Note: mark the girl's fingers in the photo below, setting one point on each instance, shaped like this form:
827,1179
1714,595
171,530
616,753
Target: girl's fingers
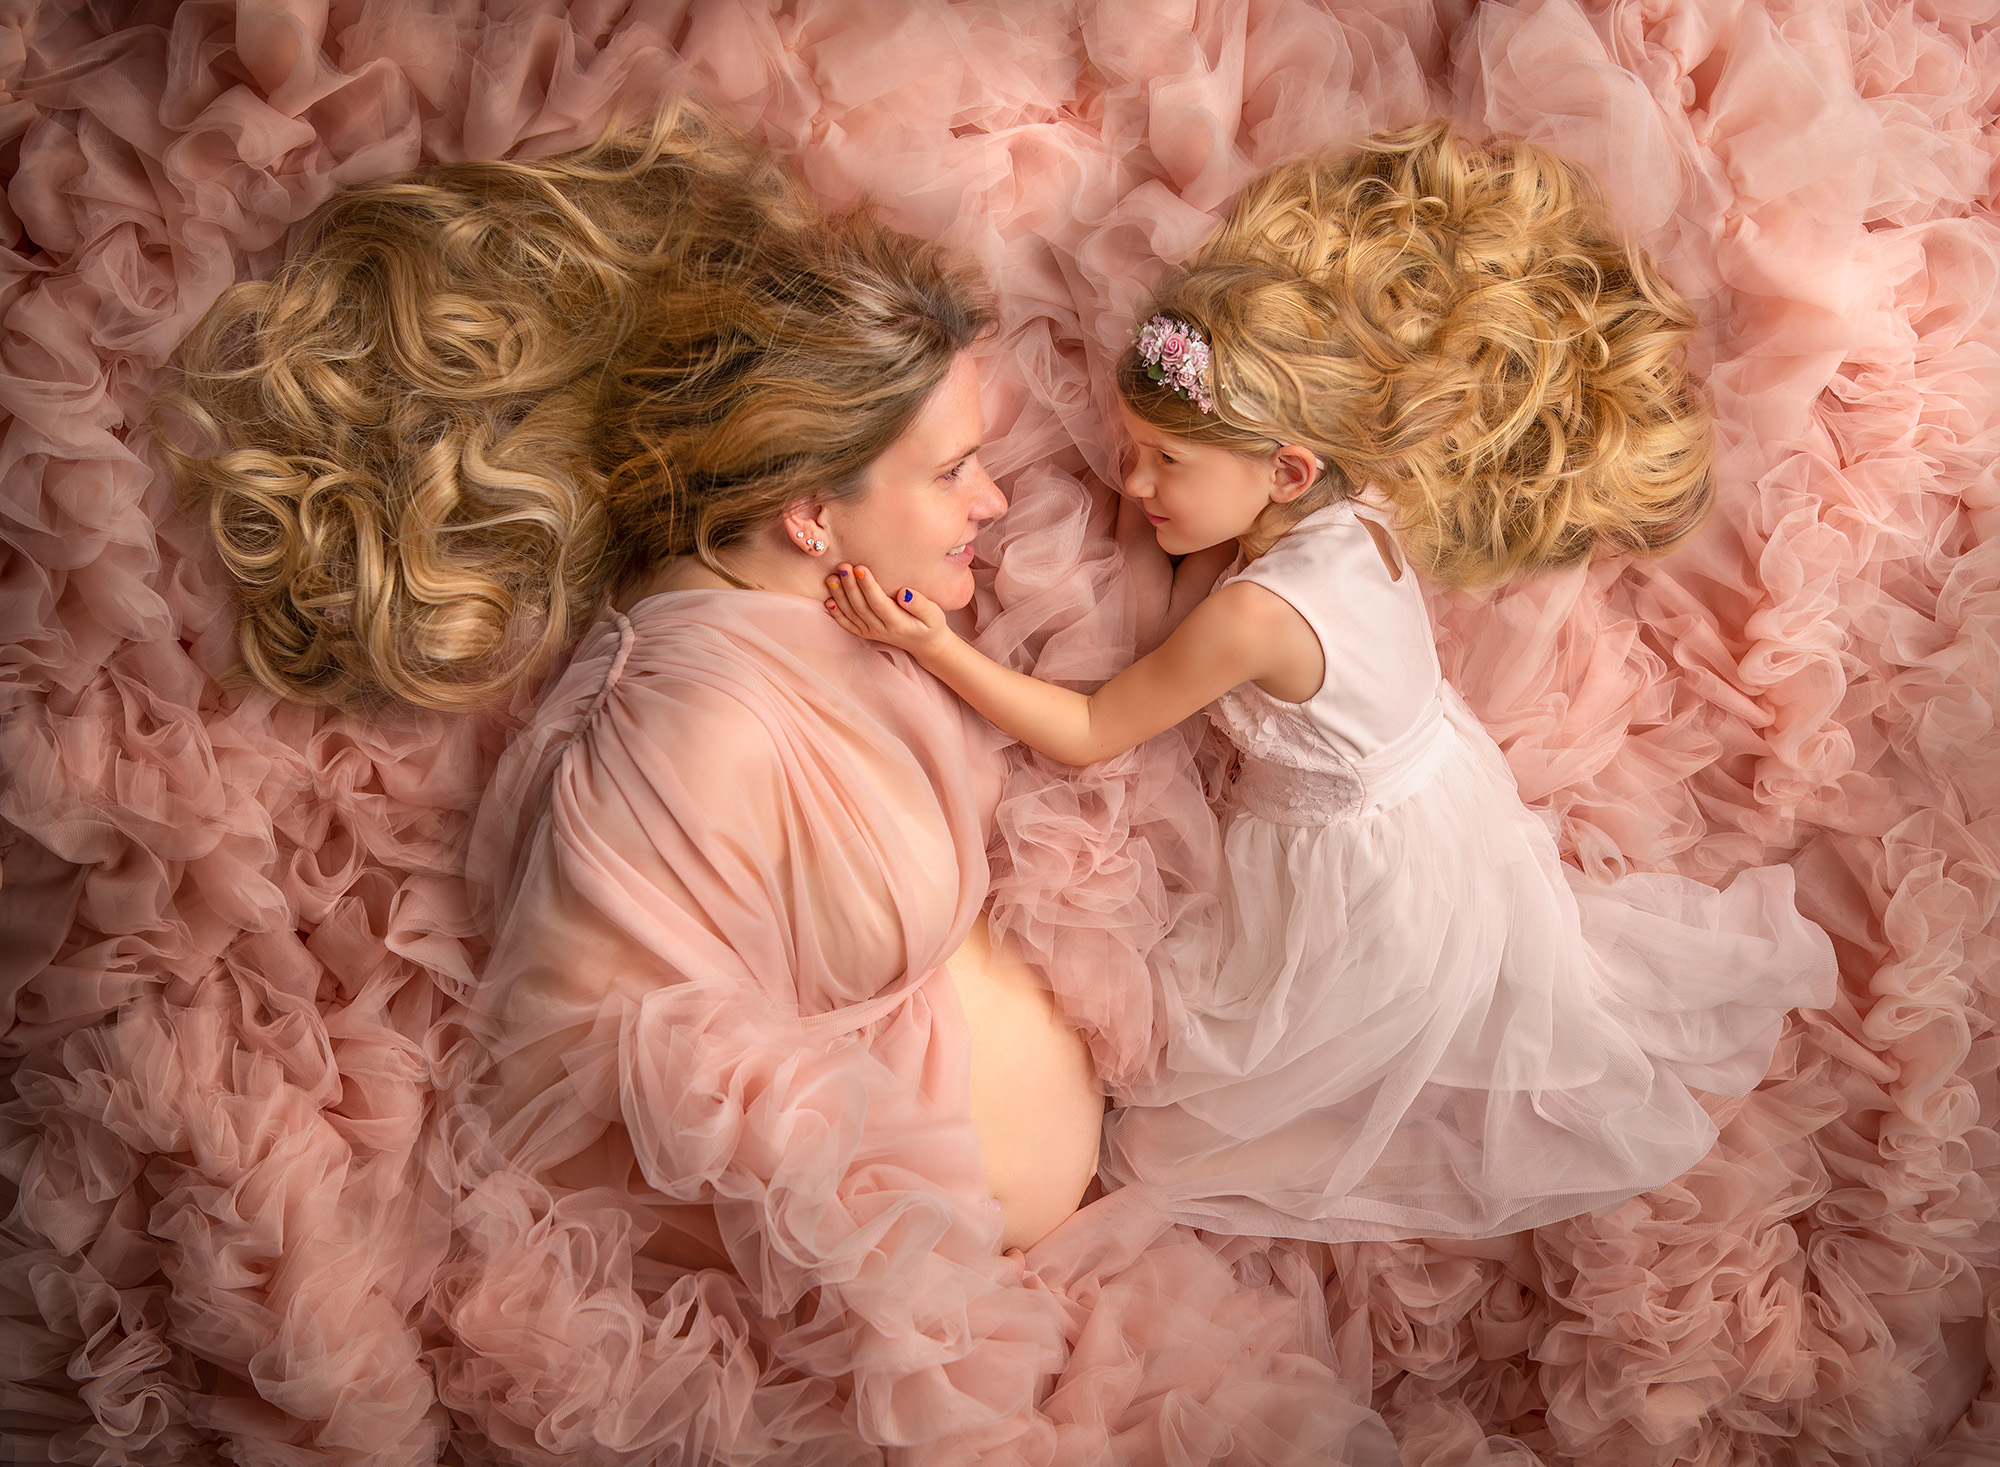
862,604
842,607
843,618
850,592
871,590
918,608
843,592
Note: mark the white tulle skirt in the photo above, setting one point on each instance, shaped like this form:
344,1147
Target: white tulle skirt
1423,1023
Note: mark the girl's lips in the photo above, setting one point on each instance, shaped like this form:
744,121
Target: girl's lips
1156,519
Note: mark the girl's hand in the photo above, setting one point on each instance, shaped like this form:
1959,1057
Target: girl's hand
906,619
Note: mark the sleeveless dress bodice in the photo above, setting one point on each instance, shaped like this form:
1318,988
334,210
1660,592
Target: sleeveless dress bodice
1376,727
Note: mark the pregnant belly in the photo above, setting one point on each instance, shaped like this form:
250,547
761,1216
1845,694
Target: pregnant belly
1035,1101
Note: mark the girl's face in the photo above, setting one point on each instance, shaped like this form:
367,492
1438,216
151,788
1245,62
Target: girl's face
927,499
1197,494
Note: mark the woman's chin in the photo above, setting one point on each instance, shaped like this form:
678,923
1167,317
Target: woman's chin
953,589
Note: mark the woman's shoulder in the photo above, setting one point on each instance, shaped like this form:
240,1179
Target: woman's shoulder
736,676
694,691
660,681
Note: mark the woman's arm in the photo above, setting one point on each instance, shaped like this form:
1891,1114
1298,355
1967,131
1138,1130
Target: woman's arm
1242,633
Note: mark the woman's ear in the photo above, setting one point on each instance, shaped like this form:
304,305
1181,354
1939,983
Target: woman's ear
805,524
1293,471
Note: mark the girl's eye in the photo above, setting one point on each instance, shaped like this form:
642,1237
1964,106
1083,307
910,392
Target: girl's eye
1165,458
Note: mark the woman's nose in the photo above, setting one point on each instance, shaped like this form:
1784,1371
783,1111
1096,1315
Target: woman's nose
988,503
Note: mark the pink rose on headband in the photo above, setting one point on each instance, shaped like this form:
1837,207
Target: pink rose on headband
1177,358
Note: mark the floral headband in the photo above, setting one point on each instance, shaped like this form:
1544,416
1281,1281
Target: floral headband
1178,359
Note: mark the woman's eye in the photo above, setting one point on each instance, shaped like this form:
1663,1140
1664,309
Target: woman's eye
955,472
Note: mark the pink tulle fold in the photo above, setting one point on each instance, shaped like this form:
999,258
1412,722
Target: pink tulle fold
229,930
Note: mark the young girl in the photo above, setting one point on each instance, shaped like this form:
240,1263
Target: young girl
1421,1022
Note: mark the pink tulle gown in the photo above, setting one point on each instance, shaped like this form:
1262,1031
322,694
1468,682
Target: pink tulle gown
718,1192
1422,1023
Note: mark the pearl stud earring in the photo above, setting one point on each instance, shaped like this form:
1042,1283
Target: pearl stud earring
814,545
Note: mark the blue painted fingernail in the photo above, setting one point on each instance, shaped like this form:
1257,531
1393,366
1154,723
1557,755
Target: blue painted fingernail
906,597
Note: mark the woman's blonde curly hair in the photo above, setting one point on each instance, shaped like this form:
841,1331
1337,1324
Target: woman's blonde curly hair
473,397
1459,327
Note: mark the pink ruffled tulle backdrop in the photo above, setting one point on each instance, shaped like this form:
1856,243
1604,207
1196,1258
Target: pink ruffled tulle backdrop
230,924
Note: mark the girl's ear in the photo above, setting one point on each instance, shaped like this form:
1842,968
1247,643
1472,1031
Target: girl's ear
1293,471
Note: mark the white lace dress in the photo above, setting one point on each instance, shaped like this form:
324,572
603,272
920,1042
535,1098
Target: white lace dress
1422,1022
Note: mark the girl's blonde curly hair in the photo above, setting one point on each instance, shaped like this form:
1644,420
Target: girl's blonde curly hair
471,398
1458,326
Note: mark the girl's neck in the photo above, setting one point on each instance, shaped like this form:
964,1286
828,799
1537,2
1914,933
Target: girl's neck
1279,520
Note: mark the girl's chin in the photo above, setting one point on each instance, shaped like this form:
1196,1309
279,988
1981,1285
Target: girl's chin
1175,541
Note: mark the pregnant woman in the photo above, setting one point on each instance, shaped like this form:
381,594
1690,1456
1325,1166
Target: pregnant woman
745,1125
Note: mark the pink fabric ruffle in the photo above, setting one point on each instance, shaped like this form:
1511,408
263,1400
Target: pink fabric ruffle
228,929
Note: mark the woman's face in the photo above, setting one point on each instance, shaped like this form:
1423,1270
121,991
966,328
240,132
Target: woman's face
1195,494
926,499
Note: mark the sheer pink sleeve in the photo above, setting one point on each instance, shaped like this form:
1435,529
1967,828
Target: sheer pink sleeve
710,991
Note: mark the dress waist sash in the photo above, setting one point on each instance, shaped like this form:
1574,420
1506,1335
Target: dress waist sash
1285,795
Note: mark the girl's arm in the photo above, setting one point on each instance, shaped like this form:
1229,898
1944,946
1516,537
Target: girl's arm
1242,633
1150,572
1194,578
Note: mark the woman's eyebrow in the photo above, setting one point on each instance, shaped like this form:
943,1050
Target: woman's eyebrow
958,458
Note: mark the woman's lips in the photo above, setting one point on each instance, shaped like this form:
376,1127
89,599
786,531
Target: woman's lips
960,556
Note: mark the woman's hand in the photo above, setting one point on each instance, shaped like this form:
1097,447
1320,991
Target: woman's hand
905,619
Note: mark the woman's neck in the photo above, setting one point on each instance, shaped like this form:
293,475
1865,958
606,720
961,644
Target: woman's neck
756,566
